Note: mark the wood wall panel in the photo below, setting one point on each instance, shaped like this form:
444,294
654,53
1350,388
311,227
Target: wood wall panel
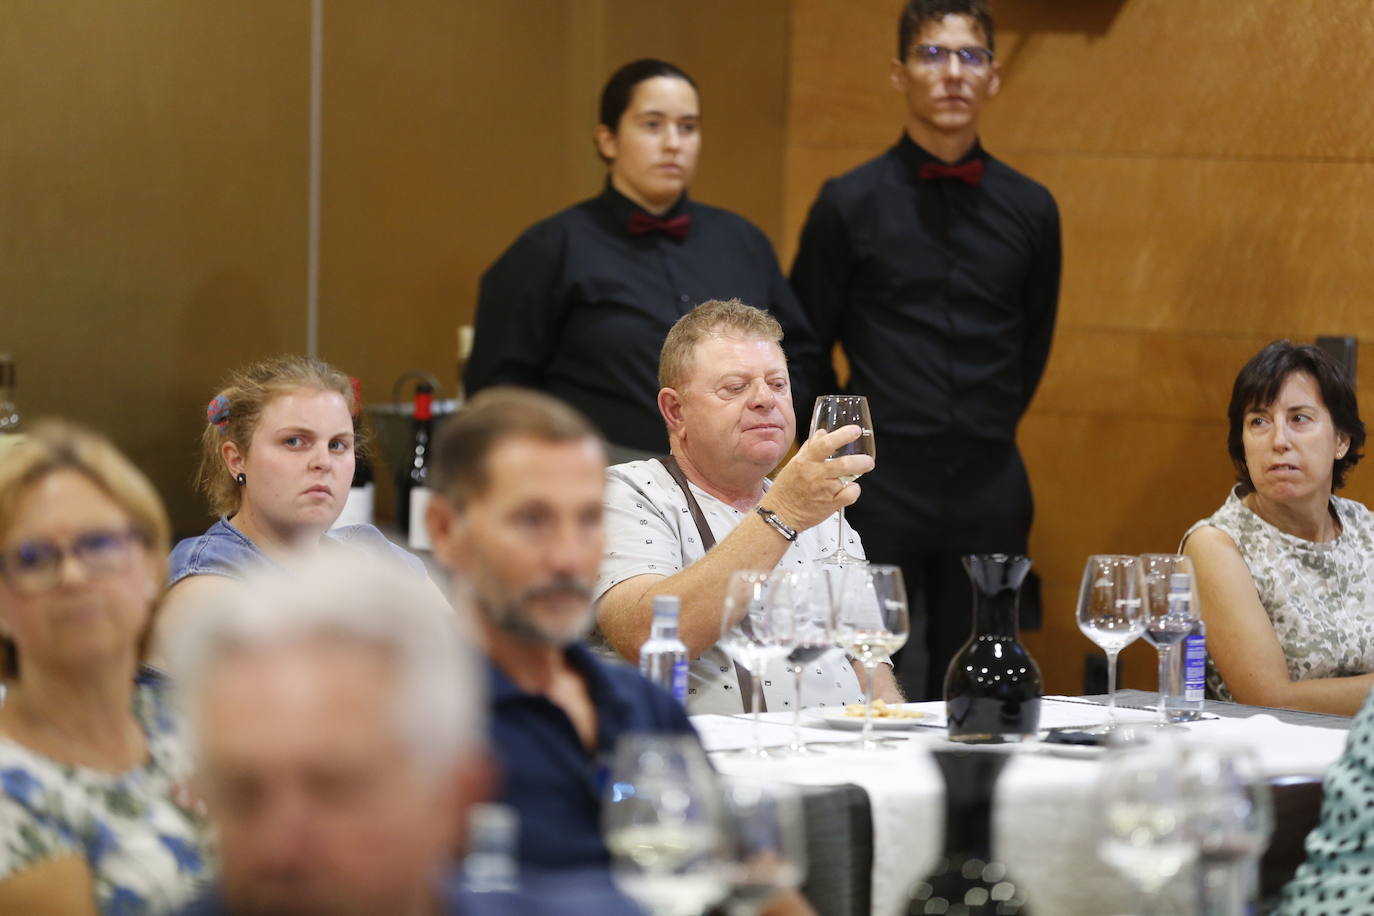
152,211
1210,180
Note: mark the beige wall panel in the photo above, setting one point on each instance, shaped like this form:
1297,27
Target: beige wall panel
1214,247
444,136
152,211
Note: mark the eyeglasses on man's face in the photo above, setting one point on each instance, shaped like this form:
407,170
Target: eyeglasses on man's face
936,57
36,566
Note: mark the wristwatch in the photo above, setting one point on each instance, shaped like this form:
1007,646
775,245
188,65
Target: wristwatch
776,523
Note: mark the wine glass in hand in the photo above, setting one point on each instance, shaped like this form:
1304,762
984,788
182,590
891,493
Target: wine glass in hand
832,412
1171,610
1111,613
664,825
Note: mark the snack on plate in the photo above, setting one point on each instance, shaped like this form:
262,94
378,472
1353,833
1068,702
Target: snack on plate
883,711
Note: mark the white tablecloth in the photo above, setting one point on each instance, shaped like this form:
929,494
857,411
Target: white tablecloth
1044,824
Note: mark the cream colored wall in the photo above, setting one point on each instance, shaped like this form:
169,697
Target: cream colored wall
1211,162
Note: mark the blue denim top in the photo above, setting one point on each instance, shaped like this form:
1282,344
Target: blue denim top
223,550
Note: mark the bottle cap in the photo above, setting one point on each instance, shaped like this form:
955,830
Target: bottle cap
666,607
1179,582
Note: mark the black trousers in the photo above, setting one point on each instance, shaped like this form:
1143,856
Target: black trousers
927,504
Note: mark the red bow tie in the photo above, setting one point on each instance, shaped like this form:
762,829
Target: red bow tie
970,172
642,223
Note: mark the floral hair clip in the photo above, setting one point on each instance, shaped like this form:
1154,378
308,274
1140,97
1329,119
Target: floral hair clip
217,412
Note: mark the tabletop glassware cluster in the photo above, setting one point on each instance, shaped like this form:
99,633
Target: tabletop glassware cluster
683,840
1125,597
1166,805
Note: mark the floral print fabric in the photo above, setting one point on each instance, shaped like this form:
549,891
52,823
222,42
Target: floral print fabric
142,842
1319,596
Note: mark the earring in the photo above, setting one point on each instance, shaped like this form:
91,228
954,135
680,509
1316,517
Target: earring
241,479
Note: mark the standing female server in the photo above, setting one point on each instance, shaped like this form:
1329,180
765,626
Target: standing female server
580,304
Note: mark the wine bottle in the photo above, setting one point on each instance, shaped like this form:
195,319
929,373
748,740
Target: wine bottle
993,687
412,491
361,500
10,419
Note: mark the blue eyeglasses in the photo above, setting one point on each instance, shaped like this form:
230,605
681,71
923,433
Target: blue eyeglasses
36,566
937,57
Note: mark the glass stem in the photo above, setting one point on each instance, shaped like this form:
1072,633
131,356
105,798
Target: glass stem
756,701
869,668
1111,686
797,742
839,535
1164,657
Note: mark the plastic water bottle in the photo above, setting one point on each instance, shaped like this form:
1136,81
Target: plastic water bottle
663,658
1185,693
491,865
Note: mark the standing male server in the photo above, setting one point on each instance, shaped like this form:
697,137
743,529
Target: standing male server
937,268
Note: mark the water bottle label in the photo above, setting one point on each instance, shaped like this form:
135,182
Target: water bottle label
419,502
1195,668
680,680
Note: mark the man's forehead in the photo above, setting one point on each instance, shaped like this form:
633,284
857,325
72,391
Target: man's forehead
724,354
951,25
527,467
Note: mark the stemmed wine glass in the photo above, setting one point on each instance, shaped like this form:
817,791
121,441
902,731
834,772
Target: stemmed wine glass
757,626
870,624
1168,620
1146,833
812,638
664,825
833,411
1111,613
766,842
1231,815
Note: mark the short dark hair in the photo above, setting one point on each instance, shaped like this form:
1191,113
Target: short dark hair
1258,384
458,470
917,13
620,88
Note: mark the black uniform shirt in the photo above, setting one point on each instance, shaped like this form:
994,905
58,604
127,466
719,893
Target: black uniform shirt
579,308
942,293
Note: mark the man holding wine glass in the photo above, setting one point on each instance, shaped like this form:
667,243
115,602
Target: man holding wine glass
682,526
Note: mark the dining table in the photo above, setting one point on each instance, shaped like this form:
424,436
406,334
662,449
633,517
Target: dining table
1045,820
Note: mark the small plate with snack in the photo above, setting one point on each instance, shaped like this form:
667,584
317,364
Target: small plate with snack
885,715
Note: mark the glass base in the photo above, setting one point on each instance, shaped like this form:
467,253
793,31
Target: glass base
840,558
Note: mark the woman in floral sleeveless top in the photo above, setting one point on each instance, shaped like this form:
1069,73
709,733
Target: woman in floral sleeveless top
1285,568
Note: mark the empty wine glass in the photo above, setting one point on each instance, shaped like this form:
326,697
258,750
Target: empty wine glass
664,825
812,638
757,623
1231,815
1145,826
766,842
833,411
1171,610
870,624
1111,613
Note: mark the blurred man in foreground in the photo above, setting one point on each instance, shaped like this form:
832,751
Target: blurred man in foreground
338,719
519,523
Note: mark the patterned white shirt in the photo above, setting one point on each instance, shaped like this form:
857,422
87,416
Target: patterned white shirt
649,530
